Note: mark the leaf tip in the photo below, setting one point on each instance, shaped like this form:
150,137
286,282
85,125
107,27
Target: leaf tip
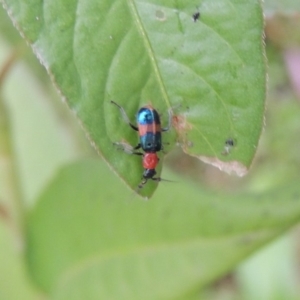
228,167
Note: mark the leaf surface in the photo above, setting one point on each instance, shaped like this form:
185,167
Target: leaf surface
210,71
86,239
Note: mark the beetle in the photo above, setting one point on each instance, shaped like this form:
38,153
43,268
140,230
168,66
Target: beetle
150,141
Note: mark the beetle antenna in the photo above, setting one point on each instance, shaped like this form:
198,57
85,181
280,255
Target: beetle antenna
141,185
161,179
144,181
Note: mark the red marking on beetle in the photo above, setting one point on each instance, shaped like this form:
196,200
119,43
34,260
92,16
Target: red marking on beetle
154,128
150,160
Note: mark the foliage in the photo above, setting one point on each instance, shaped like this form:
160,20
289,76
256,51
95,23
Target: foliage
85,234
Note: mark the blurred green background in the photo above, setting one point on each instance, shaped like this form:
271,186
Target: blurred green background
39,135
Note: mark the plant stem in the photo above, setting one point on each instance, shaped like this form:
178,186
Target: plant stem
10,195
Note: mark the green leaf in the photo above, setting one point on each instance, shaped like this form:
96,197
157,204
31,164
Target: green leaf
86,239
211,71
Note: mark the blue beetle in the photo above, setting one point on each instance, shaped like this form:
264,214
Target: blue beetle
149,128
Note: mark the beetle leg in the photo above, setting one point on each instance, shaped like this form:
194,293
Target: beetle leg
157,179
128,148
138,153
161,179
144,181
138,146
141,185
125,117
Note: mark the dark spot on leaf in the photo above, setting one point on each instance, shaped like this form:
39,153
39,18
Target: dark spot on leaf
196,16
160,15
229,144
